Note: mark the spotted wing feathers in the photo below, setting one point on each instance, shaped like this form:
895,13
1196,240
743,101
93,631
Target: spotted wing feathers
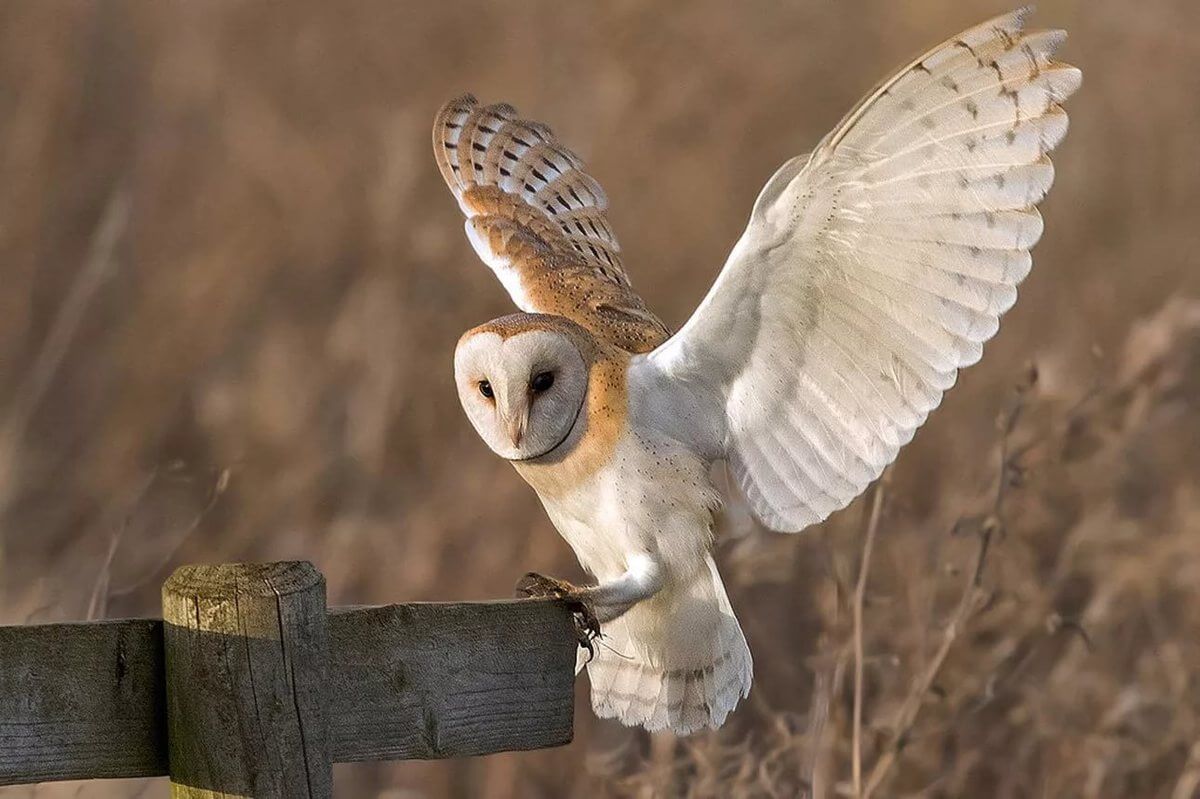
875,269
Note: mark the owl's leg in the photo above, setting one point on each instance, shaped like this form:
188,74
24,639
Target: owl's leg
598,604
643,578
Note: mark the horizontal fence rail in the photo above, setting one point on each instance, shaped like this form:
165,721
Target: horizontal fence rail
252,687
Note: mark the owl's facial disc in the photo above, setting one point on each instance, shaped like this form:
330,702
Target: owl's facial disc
523,393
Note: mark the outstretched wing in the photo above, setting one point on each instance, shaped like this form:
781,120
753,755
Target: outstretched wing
538,220
871,271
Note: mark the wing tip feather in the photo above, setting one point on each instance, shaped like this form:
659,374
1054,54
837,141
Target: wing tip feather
445,143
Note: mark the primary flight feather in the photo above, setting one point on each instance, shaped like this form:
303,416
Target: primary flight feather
870,272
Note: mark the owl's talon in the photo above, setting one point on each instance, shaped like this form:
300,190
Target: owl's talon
539,585
587,626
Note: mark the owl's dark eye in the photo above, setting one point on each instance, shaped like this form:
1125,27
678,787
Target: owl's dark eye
485,388
542,381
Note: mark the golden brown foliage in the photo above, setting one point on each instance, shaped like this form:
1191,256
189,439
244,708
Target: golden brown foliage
231,282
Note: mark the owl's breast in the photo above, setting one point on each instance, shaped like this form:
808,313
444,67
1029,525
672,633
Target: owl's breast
616,488
653,496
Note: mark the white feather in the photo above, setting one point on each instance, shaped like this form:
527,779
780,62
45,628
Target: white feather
502,266
678,661
871,272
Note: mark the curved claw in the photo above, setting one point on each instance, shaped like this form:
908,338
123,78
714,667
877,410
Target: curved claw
587,626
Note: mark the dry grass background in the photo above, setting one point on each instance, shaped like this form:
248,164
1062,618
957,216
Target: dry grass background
231,285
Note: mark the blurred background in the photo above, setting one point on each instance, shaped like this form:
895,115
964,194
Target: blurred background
231,283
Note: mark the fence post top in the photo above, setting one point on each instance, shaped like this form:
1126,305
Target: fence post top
245,579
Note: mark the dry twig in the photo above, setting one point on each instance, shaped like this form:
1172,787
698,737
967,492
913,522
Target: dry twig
860,591
96,269
828,685
973,598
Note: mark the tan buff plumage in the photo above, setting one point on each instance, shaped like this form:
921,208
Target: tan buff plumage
531,208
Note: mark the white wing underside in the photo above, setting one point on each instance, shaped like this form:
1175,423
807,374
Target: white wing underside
871,272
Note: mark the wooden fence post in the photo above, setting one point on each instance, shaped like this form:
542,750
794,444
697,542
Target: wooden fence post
246,649
250,685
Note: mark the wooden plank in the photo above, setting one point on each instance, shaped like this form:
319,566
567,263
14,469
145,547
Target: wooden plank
81,701
88,700
438,680
247,656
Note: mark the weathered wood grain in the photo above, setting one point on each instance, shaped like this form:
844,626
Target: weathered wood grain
82,701
425,680
450,680
247,655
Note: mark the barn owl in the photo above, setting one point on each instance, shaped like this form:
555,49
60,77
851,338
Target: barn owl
871,270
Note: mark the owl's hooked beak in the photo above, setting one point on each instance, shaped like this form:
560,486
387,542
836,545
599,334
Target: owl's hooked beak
515,425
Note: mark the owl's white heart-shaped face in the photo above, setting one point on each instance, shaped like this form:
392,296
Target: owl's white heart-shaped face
523,393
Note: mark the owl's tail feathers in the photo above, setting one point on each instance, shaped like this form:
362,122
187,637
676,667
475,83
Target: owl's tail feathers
677,661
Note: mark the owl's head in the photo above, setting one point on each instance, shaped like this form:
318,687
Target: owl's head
523,381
